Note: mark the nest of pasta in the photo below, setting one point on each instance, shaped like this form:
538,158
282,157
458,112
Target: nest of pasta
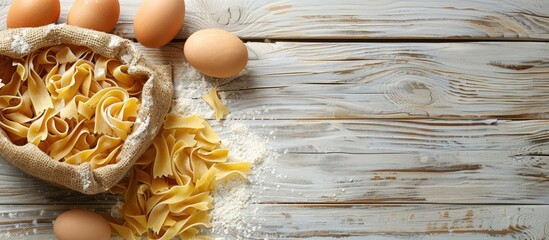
77,107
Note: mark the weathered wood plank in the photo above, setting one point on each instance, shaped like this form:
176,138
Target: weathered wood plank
413,221
336,221
35,221
369,161
381,80
404,136
478,177
376,161
354,19
433,177
17,187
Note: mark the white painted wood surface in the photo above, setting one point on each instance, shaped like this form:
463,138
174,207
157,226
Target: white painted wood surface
373,161
374,140
361,221
354,19
384,80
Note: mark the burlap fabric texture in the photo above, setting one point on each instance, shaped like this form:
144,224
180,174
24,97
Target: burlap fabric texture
156,99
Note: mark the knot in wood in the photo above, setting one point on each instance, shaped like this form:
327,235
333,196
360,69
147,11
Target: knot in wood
414,92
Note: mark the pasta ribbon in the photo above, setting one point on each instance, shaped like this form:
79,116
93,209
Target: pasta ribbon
213,100
169,192
73,104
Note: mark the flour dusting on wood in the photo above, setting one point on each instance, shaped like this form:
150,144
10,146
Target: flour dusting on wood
185,102
235,201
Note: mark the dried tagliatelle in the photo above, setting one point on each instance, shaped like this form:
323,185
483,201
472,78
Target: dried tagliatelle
73,104
213,100
169,192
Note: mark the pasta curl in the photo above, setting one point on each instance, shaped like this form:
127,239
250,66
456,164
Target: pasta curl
169,192
73,104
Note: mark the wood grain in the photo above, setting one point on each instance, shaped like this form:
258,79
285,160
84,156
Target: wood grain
370,140
403,136
26,222
370,161
507,80
444,177
21,188
380,161
353,19
337,222
409,221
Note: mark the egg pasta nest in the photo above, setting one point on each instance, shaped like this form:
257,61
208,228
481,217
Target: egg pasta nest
77,107
74,105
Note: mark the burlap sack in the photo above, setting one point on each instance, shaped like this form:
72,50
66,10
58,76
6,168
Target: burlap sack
156,100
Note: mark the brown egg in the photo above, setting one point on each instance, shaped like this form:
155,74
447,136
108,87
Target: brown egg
100,15
216,53
79,224
33,13
156,22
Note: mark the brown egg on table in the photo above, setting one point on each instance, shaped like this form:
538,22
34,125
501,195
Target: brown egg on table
156,23
79,224
33,13
97,15
216,53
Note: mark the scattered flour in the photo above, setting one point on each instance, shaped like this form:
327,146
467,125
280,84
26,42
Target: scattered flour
85,177
142,125
115,42
236,201
237,212
19,45
127,58
189,93
243,144
55,26
188,98
231,204
115,210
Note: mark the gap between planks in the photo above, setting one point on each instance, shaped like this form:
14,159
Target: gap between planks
415,161
353,19
343,221
370,40
321,81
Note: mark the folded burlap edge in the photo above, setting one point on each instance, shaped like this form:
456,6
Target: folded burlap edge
156,99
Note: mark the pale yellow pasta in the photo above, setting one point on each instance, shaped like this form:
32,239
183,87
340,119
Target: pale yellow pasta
213,100
169,192
74,105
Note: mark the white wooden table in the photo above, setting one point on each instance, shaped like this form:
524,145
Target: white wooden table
401,119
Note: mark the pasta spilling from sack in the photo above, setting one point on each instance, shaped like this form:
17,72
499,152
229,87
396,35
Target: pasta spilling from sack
169,192
75,105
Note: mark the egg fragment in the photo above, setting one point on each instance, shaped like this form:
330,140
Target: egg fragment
156,23
216,53
33,13
100,15
79,224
